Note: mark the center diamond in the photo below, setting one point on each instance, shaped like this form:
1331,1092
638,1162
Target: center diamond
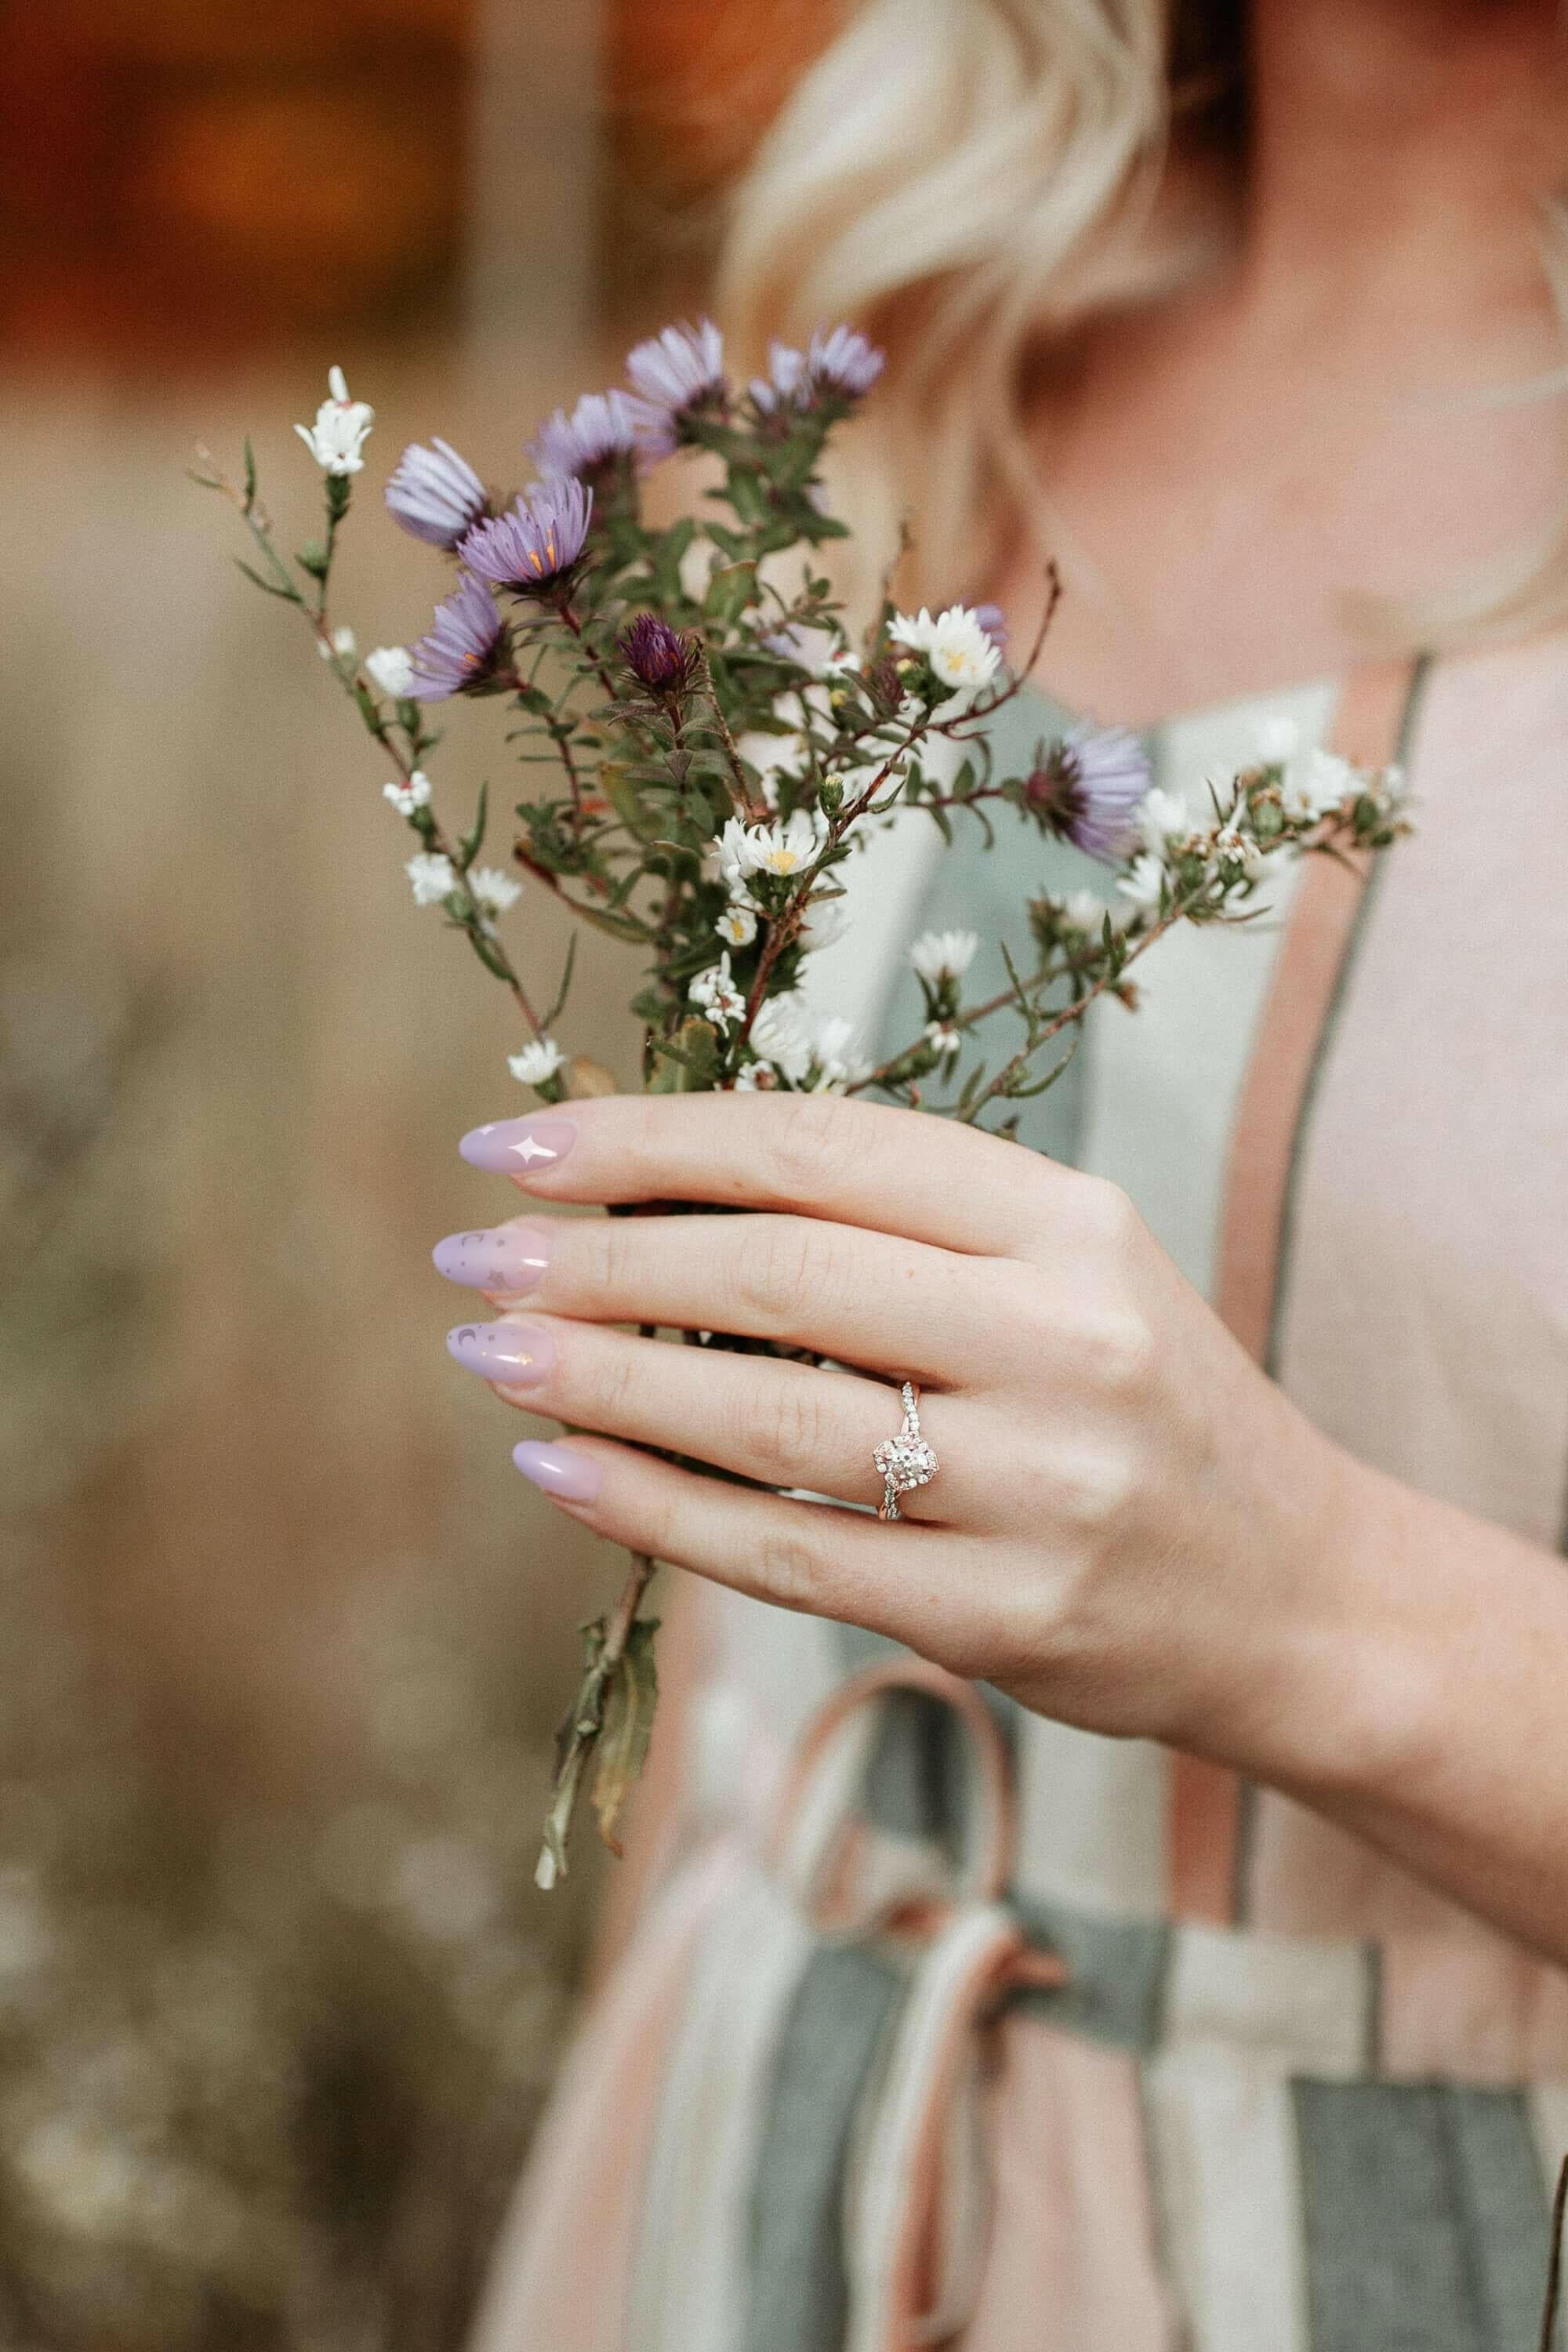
906,1461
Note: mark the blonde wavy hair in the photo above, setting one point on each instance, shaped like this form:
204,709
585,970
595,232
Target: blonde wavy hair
969,180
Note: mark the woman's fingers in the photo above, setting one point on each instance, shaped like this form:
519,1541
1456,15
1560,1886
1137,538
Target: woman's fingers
897,1307
859,1163
834,1563
787,1424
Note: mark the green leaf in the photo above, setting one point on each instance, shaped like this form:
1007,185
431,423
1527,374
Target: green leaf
689,1063
616,783
556,1009
630,1703
249,474
312,559
488,953
268,587
730,592
473,841
1017,1092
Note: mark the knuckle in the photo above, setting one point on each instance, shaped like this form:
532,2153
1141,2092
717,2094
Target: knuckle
788,1426
791,1566
603,1384
662,1527
609,1247
642,1147
778,1270
1120,1348
1093,1488
1112,1225
813,1141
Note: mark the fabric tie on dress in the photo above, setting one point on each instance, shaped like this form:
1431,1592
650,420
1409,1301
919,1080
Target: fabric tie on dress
880,2246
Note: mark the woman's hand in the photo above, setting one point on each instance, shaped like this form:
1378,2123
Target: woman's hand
1132,1528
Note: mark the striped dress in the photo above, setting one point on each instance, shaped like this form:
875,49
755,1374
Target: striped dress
947,2024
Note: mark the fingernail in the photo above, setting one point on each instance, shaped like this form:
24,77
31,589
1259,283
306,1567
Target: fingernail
519,1147
506,1258
558,1471
512,1354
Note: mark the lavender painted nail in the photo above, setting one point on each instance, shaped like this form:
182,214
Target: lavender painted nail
571,1477
512,1354
517,1147
507,1258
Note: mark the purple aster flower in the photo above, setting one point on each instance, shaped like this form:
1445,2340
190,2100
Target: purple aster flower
994,621
531,548
786,384
843,363
435,494
465,647
1087,787
680,369
660,658
603,428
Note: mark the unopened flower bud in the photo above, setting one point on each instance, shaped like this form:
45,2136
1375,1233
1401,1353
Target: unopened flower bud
659,657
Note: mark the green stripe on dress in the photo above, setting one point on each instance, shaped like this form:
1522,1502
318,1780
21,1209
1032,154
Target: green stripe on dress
799,2291
1424,2217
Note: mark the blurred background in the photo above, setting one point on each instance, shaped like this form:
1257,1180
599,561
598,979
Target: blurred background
282,1636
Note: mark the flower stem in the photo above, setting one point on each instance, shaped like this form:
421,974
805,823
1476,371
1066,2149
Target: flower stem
587,1721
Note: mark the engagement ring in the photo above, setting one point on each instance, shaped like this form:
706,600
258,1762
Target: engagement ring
904,1461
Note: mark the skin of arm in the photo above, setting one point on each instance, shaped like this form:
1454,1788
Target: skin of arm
1133,1528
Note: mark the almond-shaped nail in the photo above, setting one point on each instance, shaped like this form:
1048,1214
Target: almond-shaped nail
504,1257
572,1477
519,1147
514,1354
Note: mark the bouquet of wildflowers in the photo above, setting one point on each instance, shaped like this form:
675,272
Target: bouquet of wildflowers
703,745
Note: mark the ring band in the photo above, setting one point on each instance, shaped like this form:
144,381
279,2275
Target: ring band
905,1461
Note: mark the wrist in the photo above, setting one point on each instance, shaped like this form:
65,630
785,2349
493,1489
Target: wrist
1335,1691
1356,1702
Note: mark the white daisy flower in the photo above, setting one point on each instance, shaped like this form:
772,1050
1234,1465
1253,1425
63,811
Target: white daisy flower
734,856
713,992
342,427
956,646
786,848
1083,911
536,1062
1161,819
1313,786
494,890
826,922
1143,884
737,925
944,955
1237,852
839,1061
407,797
756,1078
392,669
432,876
945,1037
781,1034
915,630
962,653
340,645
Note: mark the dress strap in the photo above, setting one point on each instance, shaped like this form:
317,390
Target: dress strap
1371,729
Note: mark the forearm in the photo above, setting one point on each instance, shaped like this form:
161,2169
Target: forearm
1424,1704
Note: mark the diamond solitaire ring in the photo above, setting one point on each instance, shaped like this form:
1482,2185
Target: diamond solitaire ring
904,1461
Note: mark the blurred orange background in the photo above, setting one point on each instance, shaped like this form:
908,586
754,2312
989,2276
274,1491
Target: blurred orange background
282,1637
